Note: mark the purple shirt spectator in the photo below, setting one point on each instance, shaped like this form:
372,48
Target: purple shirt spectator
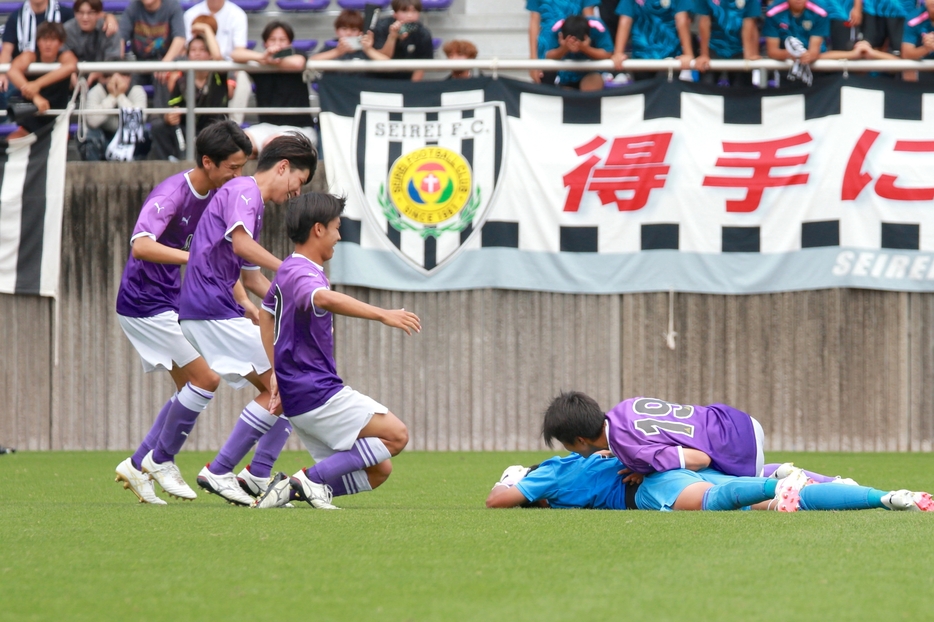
647,435
304,341
169,216
213,267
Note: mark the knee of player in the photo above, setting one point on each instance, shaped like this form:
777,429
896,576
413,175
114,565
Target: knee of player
397,442
379,473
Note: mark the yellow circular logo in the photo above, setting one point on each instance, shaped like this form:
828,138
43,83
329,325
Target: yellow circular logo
430,185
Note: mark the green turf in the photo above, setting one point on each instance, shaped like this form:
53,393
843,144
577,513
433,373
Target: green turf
77,547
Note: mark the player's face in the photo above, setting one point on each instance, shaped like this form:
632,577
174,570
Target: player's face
226,170
290,183
797,6
331,237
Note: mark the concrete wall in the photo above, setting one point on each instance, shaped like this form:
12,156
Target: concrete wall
845,370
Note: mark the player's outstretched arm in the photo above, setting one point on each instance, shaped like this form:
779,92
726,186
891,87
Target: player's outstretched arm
147,249
246,247
503,496
342,304
695,460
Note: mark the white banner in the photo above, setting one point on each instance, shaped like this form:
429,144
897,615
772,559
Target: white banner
656,186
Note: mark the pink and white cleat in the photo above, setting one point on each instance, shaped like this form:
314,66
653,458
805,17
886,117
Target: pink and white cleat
788,492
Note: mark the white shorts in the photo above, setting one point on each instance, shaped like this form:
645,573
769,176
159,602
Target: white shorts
233,348
159,340
760,440
262,133
335,425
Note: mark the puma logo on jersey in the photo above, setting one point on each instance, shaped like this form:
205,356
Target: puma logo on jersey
246,199
158,207
185,219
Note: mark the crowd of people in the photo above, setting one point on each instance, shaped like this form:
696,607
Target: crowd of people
692,31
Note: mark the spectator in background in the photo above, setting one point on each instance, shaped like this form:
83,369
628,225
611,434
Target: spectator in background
86,38
231,33
918,42
727,29
608,15
210,92
350,43
112,91
657,29
458,49
50,90
404,37
884,21
543,15
286,89
155,30
845,18
579,38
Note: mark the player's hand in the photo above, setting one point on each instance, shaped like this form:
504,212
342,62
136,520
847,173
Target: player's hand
618,59
29,90
687,61
250,312
632,478
404,320
275,403
702,62
41,103
856,16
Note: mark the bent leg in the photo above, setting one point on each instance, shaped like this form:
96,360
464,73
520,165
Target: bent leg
738,493
389,429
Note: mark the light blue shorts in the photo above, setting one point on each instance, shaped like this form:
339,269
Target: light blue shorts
659,491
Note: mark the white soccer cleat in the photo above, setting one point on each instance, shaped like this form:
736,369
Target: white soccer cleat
317,495
252,485
169,477
138,482
513,475
783,470
277,494
225,486
846,481
907,501
788,492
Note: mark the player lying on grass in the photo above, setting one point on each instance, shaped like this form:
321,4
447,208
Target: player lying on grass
595,483
350,436
650,435
147,306
225,249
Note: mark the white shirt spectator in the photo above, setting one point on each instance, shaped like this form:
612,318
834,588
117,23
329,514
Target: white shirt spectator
231,23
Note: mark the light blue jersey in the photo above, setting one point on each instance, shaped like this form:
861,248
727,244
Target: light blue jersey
553,10
599,38
654,34
780,23
726,23
915,28
891,8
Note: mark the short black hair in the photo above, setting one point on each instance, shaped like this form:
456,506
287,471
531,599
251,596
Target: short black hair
220,140
570,416
292,146
576,26
51,30
308,209
271,26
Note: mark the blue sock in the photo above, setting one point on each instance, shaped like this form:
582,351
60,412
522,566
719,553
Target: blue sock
738,493
840,497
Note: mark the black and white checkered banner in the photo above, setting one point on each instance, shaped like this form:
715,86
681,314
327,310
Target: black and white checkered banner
32,194
480,183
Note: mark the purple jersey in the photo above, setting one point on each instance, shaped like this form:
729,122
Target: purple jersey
646,434
304,343
169,216
213,267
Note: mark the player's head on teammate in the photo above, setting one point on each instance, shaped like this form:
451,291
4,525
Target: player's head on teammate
575,420
289,161
222,149
313,223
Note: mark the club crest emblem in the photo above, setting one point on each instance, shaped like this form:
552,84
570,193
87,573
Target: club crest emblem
806,24
665,3
740,4
429,175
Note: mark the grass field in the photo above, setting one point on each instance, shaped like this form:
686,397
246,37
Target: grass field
75,546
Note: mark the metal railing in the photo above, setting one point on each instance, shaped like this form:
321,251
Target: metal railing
493,65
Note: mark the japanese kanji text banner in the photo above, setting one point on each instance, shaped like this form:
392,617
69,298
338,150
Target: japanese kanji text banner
661,185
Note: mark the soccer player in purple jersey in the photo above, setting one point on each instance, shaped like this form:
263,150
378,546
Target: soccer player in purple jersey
350,436
147,306
650,435
225,249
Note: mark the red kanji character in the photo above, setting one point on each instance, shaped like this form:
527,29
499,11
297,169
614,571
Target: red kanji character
854,179
761,166
634,163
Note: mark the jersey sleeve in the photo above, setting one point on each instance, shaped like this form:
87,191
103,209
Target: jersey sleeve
626,7
240,209
683,6
600,38
157,213
269,300
539,484
657,458
702,8
752,9
770,28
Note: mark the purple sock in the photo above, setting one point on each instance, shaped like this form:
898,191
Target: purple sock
768,469
153,436
254,421
269,447
189,403
365,452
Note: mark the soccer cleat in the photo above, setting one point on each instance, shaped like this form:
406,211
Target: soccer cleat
225,486
138,482
788,491
513,474
907,501
277,494
316,495
783,470
846,481
169,477
252,485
